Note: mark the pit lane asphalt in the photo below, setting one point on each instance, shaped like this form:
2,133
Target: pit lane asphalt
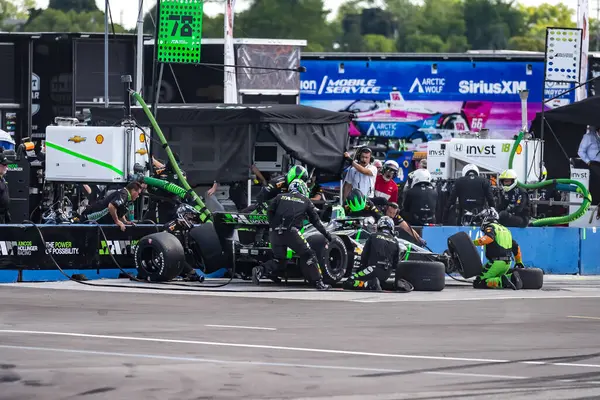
66,341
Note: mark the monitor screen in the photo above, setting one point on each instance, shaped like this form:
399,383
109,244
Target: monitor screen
265,153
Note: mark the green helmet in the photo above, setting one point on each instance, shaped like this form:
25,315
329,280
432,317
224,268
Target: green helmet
297,172
299,186
356,200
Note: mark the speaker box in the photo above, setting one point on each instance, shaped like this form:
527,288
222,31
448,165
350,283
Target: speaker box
19,210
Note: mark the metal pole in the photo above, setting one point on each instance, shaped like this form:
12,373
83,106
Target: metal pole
139,75
106,53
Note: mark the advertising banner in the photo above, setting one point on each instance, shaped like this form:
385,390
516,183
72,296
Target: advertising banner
428,100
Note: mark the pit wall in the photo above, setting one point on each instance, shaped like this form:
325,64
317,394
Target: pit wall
560,251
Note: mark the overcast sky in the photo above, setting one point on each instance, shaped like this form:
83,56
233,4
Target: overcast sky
126,11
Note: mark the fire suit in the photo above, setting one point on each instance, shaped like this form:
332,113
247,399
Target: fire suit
514,208
370,210
472,192
499,247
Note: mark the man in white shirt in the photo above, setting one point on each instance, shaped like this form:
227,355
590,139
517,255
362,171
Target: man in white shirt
362,174
589,152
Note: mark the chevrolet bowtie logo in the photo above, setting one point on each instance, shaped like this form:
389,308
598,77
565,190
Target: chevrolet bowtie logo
77,139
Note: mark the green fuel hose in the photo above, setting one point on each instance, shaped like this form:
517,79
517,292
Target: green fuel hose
205,215
568,185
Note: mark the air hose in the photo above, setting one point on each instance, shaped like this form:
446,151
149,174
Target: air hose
566,185
205,215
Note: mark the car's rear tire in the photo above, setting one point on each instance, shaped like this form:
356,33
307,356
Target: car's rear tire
465,255
332,257
159,257
532,278
425,276
206,244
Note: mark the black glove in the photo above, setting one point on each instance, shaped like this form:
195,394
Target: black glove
349,159
519,265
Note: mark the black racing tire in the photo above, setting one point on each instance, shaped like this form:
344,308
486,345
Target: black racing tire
465,255
425,276
332,257
159,257
532,278
206,244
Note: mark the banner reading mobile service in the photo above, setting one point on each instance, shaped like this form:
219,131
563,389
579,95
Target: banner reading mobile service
427,99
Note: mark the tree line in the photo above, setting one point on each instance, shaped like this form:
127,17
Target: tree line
429,26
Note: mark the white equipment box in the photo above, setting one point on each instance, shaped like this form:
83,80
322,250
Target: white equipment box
445,159
581,175
103,154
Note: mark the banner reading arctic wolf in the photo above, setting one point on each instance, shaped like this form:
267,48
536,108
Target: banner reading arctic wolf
429,100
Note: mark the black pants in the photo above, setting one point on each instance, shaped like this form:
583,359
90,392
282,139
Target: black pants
594,183
512,221
294,240
365,278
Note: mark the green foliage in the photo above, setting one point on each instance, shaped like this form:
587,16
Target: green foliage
51,20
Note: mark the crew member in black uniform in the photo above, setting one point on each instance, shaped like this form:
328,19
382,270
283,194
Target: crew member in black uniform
114,207
392,210
359,205
4,195
514,204
473,192
286,215
280,184
421,200
380,256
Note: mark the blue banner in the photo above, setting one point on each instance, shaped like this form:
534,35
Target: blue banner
495,81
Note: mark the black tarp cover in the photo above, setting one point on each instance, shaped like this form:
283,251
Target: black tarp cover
216,141
584,112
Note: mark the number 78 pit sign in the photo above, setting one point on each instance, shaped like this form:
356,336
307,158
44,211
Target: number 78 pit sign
179,33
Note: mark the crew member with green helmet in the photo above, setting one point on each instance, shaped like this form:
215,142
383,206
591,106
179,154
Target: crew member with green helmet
359,205
500,247
281,184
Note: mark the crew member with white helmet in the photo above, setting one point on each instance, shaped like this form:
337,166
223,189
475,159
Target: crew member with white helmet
385,186
472,191
421,200
514,207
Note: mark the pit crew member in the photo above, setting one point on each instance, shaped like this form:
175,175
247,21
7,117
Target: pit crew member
472,191
421,200
4,193
385,186
409,180
114,207
362,174
499,247
358,205
392,210
280,184
286,215
514,203
380,256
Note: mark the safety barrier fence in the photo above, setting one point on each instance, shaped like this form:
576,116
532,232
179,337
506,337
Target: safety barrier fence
82,249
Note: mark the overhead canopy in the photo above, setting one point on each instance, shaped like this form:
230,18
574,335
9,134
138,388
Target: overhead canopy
216,141
584,112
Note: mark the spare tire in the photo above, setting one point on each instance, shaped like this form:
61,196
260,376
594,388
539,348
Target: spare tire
332,257
207,246
532,278
425,276
465,255
159,257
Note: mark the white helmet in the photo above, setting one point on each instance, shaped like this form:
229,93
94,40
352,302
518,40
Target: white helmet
470,167
421,175
391,164
508,179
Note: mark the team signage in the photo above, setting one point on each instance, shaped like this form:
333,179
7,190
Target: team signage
179,35
563,54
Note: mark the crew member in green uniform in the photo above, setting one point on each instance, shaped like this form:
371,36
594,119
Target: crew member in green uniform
499,249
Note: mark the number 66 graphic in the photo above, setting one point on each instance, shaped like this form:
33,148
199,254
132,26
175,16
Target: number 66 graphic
186,27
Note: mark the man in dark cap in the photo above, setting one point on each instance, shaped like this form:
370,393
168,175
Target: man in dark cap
4,196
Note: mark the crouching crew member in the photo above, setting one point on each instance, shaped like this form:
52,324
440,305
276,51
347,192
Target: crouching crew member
286,215
499,246
380,256
358,205
114,207
514,204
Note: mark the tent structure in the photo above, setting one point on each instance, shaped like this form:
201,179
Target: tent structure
564,128
216,141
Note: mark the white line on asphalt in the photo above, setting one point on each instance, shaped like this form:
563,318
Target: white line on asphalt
298,349
581,317
242,327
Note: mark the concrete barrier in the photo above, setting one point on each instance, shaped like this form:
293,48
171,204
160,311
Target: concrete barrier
589,263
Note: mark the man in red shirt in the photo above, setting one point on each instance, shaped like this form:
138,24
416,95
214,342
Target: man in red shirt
385,187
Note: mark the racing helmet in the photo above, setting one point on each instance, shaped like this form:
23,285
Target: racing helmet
390,166
490,216
508,179
421,175
299,186
356,200
385,224
470,168
297,172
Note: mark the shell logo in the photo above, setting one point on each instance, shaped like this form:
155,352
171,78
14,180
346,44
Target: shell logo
406,163
99,139
142,138
519,149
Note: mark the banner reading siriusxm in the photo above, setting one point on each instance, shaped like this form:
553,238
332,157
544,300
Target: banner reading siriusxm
428,100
